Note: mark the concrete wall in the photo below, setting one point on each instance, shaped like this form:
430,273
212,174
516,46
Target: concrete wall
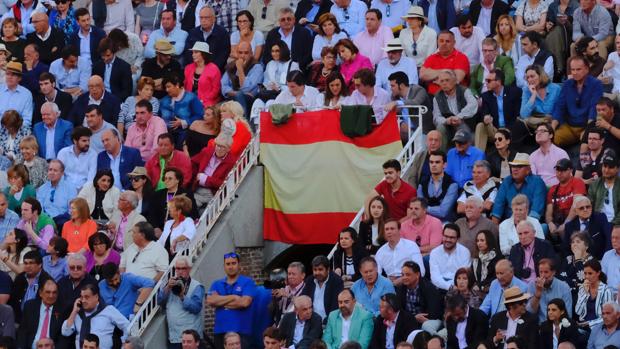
239,228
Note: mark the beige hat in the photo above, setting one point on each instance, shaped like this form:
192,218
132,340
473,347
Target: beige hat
393,45
3,48
521,159
164,46
514,294
137,171
415,12
201,46
14,67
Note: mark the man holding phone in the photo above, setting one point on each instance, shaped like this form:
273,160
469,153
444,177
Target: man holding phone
101,319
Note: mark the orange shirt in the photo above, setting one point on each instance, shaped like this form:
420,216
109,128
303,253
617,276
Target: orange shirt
77,237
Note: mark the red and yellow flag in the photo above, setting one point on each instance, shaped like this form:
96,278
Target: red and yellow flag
316,178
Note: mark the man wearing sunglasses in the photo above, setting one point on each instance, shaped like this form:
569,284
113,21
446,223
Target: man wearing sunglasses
560,197
595,223
605,191
69,286
231,297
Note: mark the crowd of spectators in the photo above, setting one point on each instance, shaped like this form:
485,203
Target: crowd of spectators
121,119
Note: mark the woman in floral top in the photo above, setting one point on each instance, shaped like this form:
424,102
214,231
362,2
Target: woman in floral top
573,268
63,19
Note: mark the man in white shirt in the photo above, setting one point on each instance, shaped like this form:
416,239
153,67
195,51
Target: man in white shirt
392,255
302,96
533,54
394,62
468,39
80,161
448,257
366,93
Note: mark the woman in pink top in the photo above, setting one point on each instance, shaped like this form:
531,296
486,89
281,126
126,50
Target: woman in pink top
202,76
352,61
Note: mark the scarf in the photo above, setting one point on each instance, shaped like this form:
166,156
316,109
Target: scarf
485,259
85,328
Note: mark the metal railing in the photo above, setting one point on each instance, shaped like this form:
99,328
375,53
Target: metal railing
207,221
405,157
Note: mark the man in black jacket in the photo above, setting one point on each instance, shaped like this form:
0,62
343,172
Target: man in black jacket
32,327
49,92
213,34
527,270
26,284
487,21
526,322
476,323
419,296
323,287
309,321
118,81
69,286
296,38
392,317
50,47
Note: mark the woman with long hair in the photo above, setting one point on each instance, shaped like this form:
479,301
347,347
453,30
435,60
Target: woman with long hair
540,94
335,92
508,38
372,229
15,246
593,294
101,194
202,76
200,132
128,47
80,227
558,327
349,253
483,263
502,154
276,70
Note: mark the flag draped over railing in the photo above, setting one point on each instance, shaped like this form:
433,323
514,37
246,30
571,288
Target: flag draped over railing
316,177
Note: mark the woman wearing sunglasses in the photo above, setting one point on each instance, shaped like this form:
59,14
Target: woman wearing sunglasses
63,19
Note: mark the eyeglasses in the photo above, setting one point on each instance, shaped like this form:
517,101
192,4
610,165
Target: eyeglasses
542,131
583,208
499,139
415,48
231,255
75,267
287,19
263,15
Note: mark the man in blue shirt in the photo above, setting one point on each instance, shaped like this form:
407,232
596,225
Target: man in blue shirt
14,96
169,31
55,194
520,181
8,218
547,287
576,105
126,291
462,157
232,297
606,334
351,15
246,73
371,287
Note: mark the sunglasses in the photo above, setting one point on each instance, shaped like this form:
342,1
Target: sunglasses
499,139
231,255
263,15
583,208
136,178
75,267
415,48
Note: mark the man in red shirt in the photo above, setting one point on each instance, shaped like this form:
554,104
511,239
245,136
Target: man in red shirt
560,197
446,57
396,192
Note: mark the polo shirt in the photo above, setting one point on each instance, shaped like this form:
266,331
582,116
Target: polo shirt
427,233
233,320
124,297
455,60
397,201
153,258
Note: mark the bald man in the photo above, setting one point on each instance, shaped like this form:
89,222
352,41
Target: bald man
250,74
420,159
302,326
109,104
50,47
505,278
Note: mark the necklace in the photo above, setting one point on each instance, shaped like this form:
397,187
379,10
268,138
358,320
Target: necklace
324,74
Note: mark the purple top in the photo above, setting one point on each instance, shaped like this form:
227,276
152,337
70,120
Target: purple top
113,257
45,234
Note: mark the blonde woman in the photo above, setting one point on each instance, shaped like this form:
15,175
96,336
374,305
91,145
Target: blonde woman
508,38
36,165
242,135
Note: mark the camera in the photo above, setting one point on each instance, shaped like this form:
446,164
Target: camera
276,279
178,286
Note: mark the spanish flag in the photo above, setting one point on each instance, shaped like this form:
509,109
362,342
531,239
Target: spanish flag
316,178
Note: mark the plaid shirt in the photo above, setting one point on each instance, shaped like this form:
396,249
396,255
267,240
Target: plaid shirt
412,303
225,12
